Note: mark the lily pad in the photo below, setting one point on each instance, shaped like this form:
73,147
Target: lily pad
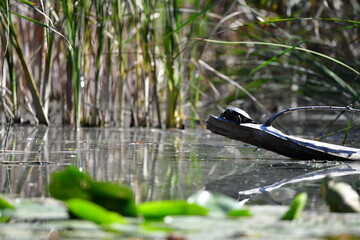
113,197
71,183
5,204
87,210
219,204
161,209
6,210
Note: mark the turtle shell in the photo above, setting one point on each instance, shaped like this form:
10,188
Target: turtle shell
237,115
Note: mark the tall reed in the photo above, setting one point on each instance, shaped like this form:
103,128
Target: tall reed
12,37
142,63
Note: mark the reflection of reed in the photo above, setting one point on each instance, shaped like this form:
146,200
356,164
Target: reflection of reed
156,164
25,166
29,156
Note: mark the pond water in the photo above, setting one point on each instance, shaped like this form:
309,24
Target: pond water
162,164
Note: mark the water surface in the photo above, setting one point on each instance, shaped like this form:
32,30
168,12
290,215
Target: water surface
162,164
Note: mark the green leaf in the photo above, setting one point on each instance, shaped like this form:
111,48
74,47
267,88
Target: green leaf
161,209
5,204
87,210
239,213
40,23
218,204
308,19
6,210
113,197
28,2
296,207
275,58
69,183
191,19
280,46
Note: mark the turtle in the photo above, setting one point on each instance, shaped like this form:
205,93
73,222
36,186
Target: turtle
237,115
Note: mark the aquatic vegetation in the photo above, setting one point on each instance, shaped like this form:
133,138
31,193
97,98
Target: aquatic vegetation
296,207
164,63
219,204
203,210
340,196
5,210
71,183
5,204
90,211
161,209
85,194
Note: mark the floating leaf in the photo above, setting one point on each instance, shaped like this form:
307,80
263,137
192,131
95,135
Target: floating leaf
113,197
87,210
296,207
69,183
219,204
5,204
239,213
6,210
161,209
5,216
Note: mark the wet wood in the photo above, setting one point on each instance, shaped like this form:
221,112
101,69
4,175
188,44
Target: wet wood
272,139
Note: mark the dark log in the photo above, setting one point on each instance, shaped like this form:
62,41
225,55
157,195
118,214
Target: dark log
272,139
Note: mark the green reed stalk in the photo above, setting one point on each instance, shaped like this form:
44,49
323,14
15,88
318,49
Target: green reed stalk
118,23
75,26
144,32
172,64
8,54
45,87
39,110
149,61
101,9
10,33
138,91
110,85
150,55
198,28
11,68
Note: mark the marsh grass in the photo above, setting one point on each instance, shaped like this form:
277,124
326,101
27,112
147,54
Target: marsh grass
166,63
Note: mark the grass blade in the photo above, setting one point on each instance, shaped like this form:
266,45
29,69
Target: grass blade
191,19
280,46
275,58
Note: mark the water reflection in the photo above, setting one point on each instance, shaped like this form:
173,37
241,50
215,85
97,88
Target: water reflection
279,183
157,164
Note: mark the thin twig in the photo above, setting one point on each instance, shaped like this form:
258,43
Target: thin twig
311,108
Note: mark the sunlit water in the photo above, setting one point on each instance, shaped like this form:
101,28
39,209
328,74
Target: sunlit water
161,164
